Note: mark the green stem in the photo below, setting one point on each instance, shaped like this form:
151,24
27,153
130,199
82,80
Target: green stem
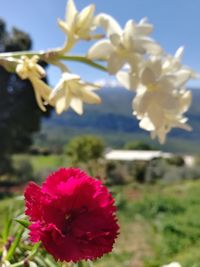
18,264
29,257
84,263
80,264
90,263
54,55
84,60
18,54
14,245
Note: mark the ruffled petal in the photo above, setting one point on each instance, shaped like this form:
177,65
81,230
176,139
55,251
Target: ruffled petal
33,202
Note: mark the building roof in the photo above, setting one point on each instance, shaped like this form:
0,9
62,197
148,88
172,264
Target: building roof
131,155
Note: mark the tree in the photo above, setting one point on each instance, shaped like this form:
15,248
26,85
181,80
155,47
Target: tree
85,148
19,114
138,145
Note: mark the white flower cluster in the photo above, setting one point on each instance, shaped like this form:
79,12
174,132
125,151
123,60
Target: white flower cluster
29,69
139,63
158,79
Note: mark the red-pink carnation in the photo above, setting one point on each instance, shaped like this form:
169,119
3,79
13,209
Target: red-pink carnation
73,215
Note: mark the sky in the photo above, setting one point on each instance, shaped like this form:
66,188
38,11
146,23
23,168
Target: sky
176,23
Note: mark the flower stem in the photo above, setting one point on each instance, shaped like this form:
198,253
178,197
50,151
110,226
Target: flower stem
80,264
28,258
54,55
90,263
14,245
84,60
84,263
19,54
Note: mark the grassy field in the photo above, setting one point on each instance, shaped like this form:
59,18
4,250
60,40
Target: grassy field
40,162
159,224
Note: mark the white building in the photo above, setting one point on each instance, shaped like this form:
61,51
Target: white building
135,155
144,155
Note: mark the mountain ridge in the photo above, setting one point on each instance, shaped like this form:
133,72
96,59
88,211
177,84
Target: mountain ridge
114,118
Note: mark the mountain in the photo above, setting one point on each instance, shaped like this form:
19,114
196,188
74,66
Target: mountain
113,120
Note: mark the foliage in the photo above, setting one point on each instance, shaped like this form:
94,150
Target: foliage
138,145
116,173
159,224
19,114
151,80
176,160
15,245
84,149
138,171
173,213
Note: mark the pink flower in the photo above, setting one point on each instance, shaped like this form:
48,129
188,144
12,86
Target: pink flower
73,215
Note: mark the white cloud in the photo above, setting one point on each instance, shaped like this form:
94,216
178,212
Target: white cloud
111,83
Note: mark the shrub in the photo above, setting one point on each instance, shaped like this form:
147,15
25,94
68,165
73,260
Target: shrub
116,173
84,148
176,160
138,145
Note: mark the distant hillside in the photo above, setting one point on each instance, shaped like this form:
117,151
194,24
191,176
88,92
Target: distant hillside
113,121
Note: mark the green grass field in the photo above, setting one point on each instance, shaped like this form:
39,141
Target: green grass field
159,224
42,162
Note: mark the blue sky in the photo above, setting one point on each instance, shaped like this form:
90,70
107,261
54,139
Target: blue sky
176,23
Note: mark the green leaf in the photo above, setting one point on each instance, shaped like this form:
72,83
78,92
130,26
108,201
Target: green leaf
23,222
14,245
40,261
6,230
34,250
80,264
90,263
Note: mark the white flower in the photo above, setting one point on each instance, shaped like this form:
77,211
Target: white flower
161,100
71,91
173,264
123,46
158,115
173,63
27,68
131,79
108,23
168,65
78,25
